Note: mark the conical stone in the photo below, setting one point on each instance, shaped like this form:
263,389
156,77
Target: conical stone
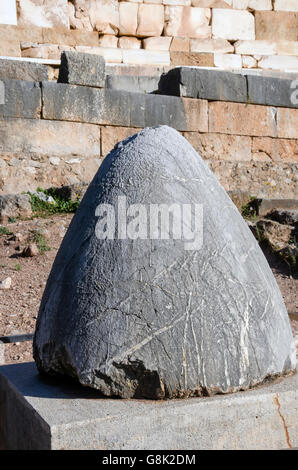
134,315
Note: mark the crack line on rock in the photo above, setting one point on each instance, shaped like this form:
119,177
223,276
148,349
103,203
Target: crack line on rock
277,403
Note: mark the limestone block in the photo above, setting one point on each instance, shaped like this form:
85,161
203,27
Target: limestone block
273,91
227,61
232,24
186,3
251,120
161,43
70,37
108,40
252,4
128,18
277,149
187,22
128,42
44,51
278,62
150,20
287,123
211,45
112,55
212,3
276,25
257,47
287,48
8,12
99,15
192,58
286,5
43,13
146,57
10,48
249,62
180,44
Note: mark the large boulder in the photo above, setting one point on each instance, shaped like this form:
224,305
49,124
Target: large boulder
161,318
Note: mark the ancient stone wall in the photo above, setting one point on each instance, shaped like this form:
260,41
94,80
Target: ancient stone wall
54,134
221,33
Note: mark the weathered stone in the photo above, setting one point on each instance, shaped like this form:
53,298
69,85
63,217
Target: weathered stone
268,205
82,69
127,42
267,149
43,13
249,62
251,120
72,37
279,62
271,91
107,328
256,47
44,51
30,250
273,25
191,58
108,40
211,45
111,54
10,48
14,205
99,15
6,283
286,5
287,123
110,136
136,84
150,20
187,21
161,43
220,146
180,44
232,24
277,235
21,70
8,12
287,48
228,61
128,18
212,3
22,99
252,4
135,56
205,84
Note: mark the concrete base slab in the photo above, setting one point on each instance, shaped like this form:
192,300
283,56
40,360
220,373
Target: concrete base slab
45,413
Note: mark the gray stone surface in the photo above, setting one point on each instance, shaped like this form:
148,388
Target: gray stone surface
14,205
268,205
82,69
39,413
135,84
22,99
205,84
114,107
147,317
19,70
273,91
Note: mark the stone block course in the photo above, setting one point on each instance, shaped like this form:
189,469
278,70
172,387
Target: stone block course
82,69
191,58
287,123
22,99
273,25
232,24
242,119
271,91
187,22
19,70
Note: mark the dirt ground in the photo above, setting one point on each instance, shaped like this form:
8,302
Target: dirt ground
19,304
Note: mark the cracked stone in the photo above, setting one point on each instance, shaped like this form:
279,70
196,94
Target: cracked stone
151,318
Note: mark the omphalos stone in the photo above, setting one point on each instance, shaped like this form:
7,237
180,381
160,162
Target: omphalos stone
136,315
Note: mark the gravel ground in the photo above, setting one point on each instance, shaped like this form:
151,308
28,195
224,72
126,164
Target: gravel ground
19,304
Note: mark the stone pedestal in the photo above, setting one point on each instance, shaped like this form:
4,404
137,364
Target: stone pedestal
43,413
